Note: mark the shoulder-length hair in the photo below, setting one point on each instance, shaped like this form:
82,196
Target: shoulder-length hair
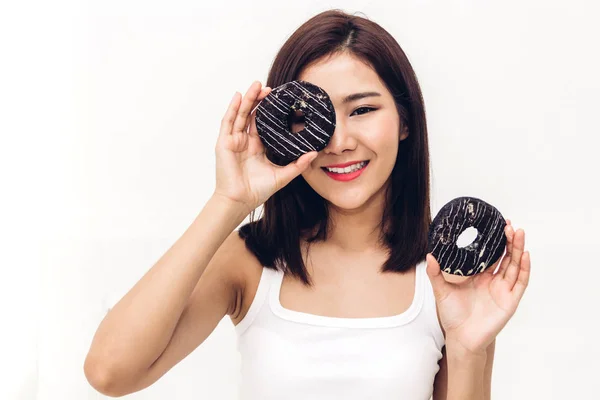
296,211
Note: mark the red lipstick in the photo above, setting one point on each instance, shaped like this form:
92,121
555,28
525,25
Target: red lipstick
345,177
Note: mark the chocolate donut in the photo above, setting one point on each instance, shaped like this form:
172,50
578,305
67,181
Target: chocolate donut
272,114
456,216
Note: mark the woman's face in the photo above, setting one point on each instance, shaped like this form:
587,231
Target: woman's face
367,130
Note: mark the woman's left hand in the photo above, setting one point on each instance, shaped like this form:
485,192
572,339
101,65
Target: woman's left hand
474,311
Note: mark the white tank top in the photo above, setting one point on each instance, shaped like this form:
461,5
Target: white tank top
292,355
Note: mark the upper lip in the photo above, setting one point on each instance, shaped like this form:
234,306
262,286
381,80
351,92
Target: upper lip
343,165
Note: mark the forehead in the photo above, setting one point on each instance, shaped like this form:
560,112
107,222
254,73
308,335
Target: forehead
342,74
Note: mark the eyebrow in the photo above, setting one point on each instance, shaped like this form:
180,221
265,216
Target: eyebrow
358,96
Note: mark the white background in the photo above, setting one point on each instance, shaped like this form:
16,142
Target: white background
109,113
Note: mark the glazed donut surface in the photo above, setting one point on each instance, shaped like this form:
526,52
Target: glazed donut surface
452,219
282,145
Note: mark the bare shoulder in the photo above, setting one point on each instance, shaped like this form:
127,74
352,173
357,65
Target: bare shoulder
246,276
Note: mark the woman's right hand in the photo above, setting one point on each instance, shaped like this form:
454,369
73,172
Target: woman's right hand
243,173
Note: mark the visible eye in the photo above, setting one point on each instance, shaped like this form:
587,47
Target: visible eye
364,108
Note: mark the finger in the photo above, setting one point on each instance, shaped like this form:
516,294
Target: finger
523,279
241,119
512,271
252,124
512,230
509,247
255,145
264,92
509,232
284,175
229,117
441,288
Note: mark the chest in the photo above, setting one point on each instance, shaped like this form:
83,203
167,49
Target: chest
349,288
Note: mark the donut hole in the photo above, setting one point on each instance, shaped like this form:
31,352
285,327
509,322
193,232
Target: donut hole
295,121
467,237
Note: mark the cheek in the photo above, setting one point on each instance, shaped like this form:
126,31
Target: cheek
381,133
312,174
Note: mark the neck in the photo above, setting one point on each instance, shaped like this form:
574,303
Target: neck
357,230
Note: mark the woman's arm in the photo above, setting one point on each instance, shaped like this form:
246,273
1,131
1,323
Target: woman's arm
463,375
440,386
487,372
137,330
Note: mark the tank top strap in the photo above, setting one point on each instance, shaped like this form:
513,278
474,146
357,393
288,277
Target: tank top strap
268,279
430,309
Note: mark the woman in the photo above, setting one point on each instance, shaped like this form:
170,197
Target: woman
332,292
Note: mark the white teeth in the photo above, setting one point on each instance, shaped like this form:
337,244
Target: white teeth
348,169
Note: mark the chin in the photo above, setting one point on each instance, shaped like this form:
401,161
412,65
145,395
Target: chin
347,200
341,195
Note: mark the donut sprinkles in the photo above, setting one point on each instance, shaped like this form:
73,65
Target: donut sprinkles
283,146
452,219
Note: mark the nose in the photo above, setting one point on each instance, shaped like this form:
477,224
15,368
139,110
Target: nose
341,140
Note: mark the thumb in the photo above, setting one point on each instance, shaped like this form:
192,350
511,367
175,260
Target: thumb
441,287
293,169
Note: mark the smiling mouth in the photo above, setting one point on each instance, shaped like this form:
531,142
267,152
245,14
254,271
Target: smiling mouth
347,170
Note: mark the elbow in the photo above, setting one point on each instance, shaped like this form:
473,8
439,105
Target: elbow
102,379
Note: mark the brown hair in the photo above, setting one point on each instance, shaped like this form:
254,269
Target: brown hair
296,210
